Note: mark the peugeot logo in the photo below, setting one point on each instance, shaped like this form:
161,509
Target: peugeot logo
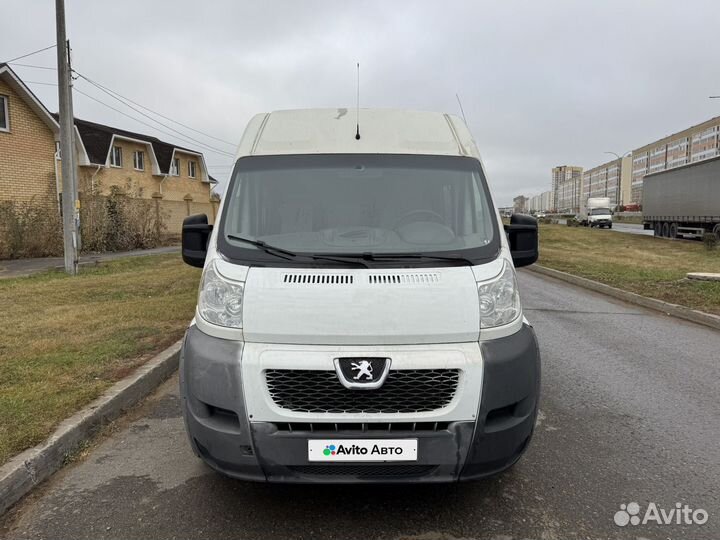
364,369
362,373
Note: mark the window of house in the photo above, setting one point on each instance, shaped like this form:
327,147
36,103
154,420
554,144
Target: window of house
139,160
4,114
175,167
191,169
116,157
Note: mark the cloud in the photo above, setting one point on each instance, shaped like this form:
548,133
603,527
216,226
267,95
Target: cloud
542,83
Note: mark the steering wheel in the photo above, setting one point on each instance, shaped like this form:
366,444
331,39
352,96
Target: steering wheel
426,213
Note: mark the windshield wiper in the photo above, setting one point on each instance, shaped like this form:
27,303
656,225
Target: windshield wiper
341,259
368,256
423,256
267,248
280,252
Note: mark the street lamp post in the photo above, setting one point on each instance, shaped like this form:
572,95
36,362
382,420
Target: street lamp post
619,176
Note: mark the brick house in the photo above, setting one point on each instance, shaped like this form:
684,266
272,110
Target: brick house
145,167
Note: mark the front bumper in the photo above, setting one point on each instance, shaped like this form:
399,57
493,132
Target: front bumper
226,436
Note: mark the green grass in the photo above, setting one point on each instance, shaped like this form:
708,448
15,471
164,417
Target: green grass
645,265
628,219
65,340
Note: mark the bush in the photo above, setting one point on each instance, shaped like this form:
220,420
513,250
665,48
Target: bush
572,222
29,230
119,222
114,222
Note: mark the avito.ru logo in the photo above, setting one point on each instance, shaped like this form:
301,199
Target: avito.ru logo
341,449
680,515
329,450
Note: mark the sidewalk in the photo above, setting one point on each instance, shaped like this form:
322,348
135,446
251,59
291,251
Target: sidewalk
25,267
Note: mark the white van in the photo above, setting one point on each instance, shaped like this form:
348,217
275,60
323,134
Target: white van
358,317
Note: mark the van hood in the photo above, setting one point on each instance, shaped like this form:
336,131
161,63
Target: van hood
364,307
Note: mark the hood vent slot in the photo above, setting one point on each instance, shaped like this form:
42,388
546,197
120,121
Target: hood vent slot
414,278
318,279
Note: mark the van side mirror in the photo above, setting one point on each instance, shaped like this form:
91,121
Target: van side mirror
195,234
523,238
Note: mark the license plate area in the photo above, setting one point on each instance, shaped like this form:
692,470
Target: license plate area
362,450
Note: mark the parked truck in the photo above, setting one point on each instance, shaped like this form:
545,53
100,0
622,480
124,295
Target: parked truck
684,201
597,213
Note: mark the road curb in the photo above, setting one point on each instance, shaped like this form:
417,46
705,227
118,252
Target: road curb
28,469
673,310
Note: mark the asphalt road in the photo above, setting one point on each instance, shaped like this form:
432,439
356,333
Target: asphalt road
618,226
629,413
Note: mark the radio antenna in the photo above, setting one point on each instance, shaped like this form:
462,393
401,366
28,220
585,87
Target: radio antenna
357,106
462,111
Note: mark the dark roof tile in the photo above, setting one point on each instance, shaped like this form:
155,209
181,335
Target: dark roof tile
97,137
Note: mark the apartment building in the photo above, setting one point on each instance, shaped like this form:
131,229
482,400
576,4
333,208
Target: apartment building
693,144
567,188
520,204
541,202
611,179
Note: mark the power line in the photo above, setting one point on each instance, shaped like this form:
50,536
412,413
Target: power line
30,54
120,98
153,119
144,123
111,92
116,96
136,119
32,66
38,82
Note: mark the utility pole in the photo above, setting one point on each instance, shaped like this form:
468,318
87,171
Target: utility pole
67,147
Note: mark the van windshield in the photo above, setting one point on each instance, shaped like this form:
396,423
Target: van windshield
599,211
358,205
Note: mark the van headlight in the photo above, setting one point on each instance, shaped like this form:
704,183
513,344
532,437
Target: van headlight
220,301
499,299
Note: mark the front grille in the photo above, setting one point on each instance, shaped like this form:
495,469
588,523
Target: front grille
364,471
318,279
404,391
361,427
403,279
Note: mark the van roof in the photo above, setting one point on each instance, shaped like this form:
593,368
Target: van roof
332,131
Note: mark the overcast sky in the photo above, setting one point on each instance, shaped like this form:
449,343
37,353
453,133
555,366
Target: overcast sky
542,82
